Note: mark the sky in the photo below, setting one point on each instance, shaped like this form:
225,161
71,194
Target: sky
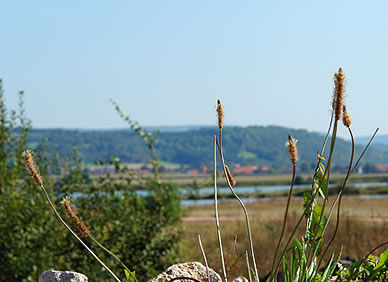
167,62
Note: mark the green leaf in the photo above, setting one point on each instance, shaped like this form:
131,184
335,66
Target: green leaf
317,246
354,267
325,275
307,198
322,168
301,253
376,271
316,214
130,276
321,185
285,267
293,264
300,249
332,267
383,259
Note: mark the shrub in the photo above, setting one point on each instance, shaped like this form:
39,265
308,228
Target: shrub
142,231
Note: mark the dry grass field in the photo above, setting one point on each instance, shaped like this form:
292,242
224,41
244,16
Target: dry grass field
364,224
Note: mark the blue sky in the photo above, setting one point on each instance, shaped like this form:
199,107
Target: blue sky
167,62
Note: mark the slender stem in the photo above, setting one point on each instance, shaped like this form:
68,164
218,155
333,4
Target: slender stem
238,258
204,257
363,152
113,255
235,245
313,185
339,197
327,175
244,209
249,269
328,133
285,216
75,235
216,212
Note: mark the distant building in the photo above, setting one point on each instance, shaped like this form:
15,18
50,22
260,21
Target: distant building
382,167
193,171
245,169
264,168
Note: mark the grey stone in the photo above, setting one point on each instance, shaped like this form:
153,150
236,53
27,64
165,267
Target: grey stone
189,269
240,279
62,276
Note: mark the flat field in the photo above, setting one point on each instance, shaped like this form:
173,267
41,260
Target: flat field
204,180
363,225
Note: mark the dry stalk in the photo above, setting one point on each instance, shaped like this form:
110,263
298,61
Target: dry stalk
34,172
204,257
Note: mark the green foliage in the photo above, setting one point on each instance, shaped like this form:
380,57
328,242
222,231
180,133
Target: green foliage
129,276
142,231
244,145
369,269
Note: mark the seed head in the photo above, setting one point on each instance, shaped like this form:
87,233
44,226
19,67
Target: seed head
74,218
220,113
32,168
230,176
292,149
338,96
347,121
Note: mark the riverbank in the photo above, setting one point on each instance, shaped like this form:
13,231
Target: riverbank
206,180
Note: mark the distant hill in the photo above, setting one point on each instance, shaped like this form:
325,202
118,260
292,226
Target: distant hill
257,145
174,128
380,142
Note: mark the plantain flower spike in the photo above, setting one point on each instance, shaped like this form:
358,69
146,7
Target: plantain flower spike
347,121
292,149
220,113
230,176
338,96
74,218
32,168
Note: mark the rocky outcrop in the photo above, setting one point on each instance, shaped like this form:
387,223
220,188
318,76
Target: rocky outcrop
189,269
62,276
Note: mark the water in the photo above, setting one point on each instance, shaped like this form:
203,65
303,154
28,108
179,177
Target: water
248,189
368,184
243,189
265,188
270,188
202,202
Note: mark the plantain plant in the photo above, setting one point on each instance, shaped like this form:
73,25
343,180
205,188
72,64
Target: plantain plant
301,259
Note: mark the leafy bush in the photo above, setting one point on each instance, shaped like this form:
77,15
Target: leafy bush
141,230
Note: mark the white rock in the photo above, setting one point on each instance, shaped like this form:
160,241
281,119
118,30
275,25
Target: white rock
62,276
240,279
189,269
